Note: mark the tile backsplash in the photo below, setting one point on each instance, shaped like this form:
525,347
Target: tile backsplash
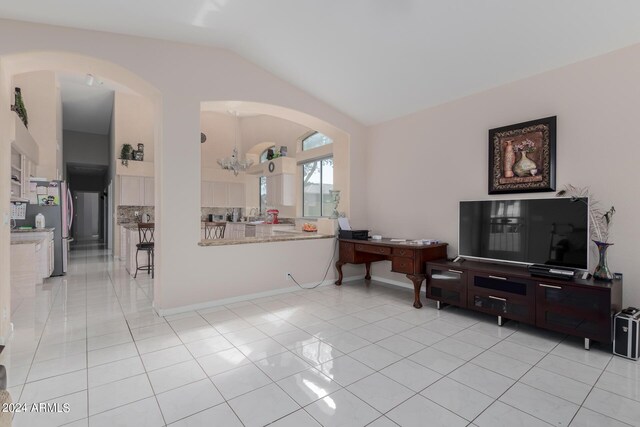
126,214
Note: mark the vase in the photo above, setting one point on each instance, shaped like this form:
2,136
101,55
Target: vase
602,271
524,166
509,160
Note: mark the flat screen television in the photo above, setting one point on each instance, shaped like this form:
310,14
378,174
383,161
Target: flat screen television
553,232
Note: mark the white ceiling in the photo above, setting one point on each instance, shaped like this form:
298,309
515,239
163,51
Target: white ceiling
87,108
372,59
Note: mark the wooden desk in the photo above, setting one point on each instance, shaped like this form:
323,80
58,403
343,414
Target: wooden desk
405,258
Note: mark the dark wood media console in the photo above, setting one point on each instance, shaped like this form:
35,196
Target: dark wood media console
405,258
583,308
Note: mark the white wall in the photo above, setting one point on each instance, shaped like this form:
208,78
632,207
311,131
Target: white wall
42,101
421,165
6,123
184,76
86,148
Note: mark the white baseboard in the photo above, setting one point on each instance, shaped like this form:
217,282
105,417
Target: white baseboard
240,298
392,282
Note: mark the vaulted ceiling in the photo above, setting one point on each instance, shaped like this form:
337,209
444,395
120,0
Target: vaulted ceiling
372,59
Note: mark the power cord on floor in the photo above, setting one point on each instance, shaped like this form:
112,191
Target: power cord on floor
335,247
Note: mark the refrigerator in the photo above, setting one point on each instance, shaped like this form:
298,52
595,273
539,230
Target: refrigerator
53,200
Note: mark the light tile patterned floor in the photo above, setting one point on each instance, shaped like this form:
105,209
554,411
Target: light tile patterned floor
349,356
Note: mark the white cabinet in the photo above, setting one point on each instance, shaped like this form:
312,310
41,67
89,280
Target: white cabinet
206,194
149,191
20,168
123,243
234,230
137,191
220,194
281,190
236,195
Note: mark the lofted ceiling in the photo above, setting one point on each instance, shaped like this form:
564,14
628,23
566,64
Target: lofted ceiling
87,108
372,59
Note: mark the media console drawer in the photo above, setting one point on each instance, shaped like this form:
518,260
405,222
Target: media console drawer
582,308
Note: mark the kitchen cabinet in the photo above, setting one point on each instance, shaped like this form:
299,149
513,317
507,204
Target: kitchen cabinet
281,190
123,243
20,168
206,194
234,230
236,195
149,191
220,194
44,251
137,191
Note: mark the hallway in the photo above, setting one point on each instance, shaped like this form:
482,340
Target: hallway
353,355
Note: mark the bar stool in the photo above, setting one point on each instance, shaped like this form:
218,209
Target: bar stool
145,235
214,230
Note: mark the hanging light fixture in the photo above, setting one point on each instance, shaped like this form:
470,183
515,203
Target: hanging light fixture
234,163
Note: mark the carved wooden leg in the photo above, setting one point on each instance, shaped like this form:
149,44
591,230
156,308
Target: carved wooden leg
368,275
339,265
417,284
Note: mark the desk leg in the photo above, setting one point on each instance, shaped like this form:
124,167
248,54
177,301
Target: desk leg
339,265
368,275
417,284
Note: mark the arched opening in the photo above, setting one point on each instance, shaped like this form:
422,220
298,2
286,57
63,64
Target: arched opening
260,132
44,154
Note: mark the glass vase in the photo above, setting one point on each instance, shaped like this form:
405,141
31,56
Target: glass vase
602,271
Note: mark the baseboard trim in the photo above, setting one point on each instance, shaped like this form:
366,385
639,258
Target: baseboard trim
240,298
392,282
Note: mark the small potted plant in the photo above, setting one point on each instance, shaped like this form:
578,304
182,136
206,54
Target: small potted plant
126,154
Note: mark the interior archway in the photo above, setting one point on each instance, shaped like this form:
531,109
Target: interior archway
60,62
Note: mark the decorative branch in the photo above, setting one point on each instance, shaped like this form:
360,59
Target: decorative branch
599,220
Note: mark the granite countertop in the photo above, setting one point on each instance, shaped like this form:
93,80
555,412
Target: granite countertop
280,238
33,230
25,242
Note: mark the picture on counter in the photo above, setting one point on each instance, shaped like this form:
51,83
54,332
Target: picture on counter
522,157
46,200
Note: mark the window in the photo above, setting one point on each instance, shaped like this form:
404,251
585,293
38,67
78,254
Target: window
263,156
315,140
263,193
317,181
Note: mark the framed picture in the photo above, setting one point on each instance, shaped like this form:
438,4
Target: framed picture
522,157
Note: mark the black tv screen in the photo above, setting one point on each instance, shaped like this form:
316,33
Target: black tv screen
533,231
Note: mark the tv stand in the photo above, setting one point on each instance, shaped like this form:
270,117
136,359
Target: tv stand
578,307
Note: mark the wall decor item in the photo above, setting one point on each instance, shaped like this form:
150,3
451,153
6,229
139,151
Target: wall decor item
522,157
203,138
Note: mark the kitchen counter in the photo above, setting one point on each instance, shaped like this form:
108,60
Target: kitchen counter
33,230
285,237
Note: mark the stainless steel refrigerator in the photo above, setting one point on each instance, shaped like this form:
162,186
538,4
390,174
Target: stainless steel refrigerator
53,200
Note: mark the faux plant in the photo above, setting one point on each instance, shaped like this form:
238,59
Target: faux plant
19,107
599,219
125,153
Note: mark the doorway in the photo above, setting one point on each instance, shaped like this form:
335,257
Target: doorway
88,221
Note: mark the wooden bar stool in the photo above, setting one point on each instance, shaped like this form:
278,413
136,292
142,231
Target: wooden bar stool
145,235
214,230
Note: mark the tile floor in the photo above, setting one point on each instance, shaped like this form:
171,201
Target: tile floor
348,356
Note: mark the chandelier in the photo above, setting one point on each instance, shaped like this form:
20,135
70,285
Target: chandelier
234,163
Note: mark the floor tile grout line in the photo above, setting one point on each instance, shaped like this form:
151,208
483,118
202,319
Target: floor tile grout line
591,390
137,350
517,382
